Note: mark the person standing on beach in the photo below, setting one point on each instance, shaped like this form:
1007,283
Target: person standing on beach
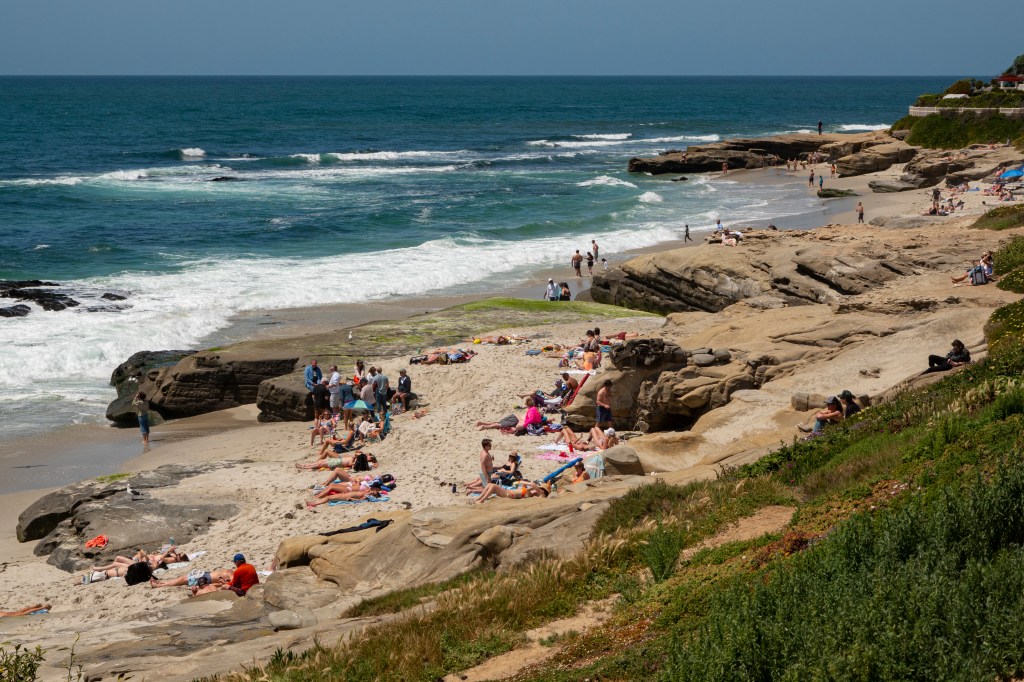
819,127
552,291
860,212
321,397
577,262
486,462
604,405
593,248
313,375
334,388
141,406
381,386
810,180
590,264
821,182
686,234
725,168
366,392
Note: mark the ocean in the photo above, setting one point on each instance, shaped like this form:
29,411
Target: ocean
199,198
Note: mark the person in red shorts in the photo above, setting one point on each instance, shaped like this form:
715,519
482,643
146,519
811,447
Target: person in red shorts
243,578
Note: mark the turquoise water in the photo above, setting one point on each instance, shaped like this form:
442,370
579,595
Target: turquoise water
346,190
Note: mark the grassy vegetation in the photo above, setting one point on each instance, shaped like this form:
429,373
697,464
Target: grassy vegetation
580,308
937,131
904,560
1001,218
112,478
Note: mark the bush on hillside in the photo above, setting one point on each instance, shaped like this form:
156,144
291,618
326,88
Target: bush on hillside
1009,257
1013,281
964,86
936,131
1002,218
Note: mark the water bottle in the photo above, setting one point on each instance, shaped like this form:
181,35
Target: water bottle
454,488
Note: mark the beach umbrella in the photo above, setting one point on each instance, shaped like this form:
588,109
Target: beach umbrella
1012,174
357,405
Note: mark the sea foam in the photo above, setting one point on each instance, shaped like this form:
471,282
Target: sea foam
606,181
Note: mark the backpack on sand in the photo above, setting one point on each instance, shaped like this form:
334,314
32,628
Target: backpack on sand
978,276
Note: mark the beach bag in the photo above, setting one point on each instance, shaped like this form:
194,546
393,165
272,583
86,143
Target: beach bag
139,572
978,276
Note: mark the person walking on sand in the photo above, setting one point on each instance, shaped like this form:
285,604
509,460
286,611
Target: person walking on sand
810,180
590,264
141,406
860,212
686,234
725,168
577,261
833,171
593,248
819,127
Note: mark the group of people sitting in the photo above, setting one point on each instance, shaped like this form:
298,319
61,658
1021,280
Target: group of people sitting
837,408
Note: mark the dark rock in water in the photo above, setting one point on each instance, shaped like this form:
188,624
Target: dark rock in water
29,290
835,193
113,297
226,178
681,178
19,310
107,308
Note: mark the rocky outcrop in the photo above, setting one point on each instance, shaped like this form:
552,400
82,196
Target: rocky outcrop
930,167
875,158
284,399
19,310
769,268
127,377
204,382
64,519
750,152
833,193
52,296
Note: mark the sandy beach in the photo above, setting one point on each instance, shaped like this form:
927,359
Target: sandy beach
429,454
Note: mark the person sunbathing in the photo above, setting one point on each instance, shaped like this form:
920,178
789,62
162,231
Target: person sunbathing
215,579
570,437
509,422
27,611
580,473
338,445
522,490
375,489
155,560
343,462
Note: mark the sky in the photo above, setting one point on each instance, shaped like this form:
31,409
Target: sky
502,37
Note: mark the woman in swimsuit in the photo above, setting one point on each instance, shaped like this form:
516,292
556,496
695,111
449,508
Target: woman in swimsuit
155,559
375,488
344,462
522,490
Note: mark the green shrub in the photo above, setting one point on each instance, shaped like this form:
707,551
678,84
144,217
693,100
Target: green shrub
1001,218
1013,281
1009,256
927,100
931,590
1008,320
661,551
20,664
964,86
905,123
937,131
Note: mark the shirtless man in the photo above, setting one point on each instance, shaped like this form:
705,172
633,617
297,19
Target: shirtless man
571,382
204,581
577,261
593,248
486,461
604,405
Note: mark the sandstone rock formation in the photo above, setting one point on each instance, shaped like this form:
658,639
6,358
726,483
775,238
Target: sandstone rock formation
205,381
127,377
754,152
64,519
871,159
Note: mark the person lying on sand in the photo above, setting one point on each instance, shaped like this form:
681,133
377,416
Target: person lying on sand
197,578
509,422
596,439
376,489
342,482
522,490
27,611
343,462
155,560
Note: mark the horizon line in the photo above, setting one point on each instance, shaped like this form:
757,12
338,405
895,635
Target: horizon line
456,75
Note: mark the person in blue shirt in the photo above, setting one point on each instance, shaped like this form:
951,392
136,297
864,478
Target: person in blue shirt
313,375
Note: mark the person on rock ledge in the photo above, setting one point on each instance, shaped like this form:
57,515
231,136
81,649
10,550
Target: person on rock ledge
832,413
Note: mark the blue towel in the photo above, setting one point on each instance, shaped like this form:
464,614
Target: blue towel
371,498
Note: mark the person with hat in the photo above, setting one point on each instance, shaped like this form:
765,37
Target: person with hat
831,414
552,291
244,577
850,406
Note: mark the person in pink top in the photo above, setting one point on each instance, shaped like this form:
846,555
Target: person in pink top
532,414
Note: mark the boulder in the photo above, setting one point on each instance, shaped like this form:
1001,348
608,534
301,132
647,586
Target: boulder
833,193
43,516
292,620
703,359
284,398
39,292
19,310
875,158
208,381
622,460
891,186
646,353
802,402
298,589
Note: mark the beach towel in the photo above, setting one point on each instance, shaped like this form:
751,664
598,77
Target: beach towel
533,351
581,372
192,556
554,456
97,542
594,466
556,447
371,498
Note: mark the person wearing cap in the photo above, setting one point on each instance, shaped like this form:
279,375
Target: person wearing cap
850,406
244,577
831,414
552,291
